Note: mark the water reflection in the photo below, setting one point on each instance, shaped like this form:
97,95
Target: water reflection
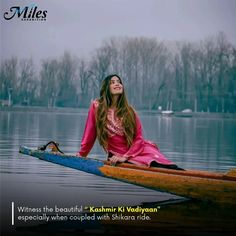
196,143
191,143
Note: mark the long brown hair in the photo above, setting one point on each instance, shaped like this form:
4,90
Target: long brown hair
124,111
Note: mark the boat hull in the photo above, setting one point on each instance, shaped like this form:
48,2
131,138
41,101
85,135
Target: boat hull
201,185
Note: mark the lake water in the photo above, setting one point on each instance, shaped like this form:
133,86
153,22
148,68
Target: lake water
193,143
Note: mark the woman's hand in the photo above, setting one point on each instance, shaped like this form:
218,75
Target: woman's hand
114,159
78,155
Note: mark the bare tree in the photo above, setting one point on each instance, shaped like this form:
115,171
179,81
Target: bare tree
223,56
200,75
8,80
67,95
85,83
49,83
99,66
27,83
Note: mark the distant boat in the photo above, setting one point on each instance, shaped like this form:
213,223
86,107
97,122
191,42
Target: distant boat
185,113
167,113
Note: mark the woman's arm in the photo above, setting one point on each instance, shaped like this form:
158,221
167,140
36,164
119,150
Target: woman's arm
90,133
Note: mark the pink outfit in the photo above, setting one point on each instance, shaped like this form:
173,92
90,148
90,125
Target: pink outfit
141,152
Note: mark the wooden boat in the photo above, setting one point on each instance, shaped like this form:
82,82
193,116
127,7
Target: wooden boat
193,184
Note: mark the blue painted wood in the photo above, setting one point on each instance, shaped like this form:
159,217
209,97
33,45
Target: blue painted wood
84,164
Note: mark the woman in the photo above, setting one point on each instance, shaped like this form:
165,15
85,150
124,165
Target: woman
118,129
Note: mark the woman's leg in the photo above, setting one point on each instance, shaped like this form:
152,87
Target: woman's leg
172,166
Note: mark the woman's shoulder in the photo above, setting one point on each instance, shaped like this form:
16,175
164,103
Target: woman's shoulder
95,103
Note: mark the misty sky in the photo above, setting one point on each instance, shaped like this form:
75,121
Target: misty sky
79,26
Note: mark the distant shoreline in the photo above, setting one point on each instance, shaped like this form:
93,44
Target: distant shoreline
43,109
85,110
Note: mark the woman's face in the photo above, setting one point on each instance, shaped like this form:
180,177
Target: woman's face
115,86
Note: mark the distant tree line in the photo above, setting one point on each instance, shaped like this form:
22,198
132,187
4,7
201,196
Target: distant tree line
174,75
